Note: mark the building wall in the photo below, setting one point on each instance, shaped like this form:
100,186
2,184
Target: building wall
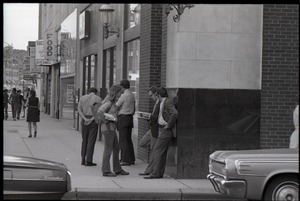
216,46
150,63
214,60
223,61
280,73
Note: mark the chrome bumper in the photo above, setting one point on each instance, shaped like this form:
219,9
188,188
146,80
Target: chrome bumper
234,188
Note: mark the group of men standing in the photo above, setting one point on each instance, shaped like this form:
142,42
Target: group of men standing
17,102
162,127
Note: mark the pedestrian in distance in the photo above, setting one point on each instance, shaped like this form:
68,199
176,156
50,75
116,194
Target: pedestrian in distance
125,111
294,139
25,97
33,113
108,129
20,104
89,126
152,134
14,102
5,103
167,119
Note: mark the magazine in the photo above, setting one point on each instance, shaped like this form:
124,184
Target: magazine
110,117
143,115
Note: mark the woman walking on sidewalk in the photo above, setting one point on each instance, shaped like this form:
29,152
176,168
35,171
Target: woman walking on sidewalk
108,129
33,114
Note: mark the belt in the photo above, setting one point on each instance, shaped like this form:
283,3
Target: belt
88,116
125,115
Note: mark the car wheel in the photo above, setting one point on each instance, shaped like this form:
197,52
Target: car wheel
285,187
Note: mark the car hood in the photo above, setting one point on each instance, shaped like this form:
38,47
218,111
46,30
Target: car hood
288,154
23,161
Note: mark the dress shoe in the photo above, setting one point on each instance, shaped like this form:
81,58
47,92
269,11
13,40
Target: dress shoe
90,164
82,162
152,177
122,172
29,136
144,174
109,174
124,164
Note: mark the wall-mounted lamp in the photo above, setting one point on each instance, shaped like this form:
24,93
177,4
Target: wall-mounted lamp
107,12
179,8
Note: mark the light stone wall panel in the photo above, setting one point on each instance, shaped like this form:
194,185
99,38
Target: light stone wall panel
202,74
207,35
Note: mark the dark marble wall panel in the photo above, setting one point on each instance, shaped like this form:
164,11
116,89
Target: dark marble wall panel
214,119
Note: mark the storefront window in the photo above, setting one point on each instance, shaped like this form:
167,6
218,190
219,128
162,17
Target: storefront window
133,66
109,69
93,66
133,15
89,65
133,75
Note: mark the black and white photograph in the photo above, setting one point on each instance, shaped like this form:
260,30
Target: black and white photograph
149,101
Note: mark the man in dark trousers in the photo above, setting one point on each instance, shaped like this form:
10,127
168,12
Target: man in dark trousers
20,104
154,127
14,102
125,111
167,119
89,126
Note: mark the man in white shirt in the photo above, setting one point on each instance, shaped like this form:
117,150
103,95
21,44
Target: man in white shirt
125,112
89,126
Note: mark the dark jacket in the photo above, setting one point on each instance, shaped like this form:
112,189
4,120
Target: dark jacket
154,126
170,115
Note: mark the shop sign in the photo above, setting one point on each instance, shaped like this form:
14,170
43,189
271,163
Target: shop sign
43,62
49,46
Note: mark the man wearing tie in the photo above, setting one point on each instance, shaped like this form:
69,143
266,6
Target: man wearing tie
154,128
167,119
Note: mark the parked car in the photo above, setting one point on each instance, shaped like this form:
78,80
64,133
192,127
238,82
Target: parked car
33,178
264,174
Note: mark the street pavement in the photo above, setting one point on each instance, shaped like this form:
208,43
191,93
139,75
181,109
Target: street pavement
58,141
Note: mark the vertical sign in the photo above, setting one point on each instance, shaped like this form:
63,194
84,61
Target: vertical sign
39,51
26,68
49,46
64,46
33,67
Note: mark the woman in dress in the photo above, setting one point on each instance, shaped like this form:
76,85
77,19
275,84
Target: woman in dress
108,129
33,113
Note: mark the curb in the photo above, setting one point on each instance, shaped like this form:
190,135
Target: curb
143,194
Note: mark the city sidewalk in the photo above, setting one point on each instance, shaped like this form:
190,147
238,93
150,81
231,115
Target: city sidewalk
58,141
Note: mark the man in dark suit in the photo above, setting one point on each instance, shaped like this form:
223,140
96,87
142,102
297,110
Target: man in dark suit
154,128
167,119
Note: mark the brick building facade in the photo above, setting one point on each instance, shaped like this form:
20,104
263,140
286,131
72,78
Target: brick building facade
223,62
280,74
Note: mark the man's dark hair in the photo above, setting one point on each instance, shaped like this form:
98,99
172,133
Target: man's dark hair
18,91
125,84
93,89
153,89
162,92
